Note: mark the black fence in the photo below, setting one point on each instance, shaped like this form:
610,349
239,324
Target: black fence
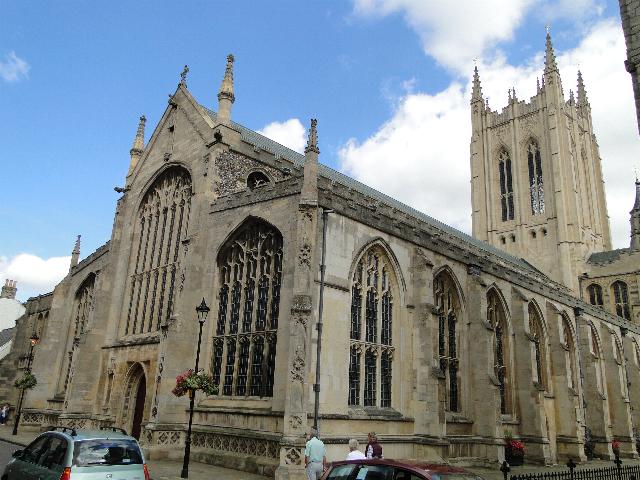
614,472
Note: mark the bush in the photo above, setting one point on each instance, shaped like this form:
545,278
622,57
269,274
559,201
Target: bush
27,381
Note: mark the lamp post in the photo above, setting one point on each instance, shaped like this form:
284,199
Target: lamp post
202,311
33,341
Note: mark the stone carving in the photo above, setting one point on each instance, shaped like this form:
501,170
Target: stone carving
300,318
304,257
234,169
293,456
169,438
205,164
297,366
295,422
255,447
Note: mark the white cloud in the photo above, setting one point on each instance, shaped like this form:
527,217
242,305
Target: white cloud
453,32
13,68
289,133
425,145
34,275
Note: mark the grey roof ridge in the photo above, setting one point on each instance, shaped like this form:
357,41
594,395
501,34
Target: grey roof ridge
276,148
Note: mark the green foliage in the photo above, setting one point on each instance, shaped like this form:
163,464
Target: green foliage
27,381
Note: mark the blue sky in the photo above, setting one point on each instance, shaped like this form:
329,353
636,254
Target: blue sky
387,80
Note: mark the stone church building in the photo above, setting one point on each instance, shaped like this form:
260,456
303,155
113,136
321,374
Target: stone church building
442,343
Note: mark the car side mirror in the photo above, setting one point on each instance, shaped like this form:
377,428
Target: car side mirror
17,453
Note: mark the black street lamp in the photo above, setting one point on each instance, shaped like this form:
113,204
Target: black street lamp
203,311
33,340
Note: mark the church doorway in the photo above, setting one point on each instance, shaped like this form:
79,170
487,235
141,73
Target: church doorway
134,400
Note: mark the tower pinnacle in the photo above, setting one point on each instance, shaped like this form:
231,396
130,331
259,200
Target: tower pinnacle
312,141
309,195
75,254
582,93
549,56
476,92
635,219
225,95
138,145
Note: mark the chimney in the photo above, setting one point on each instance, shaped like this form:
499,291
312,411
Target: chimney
9,290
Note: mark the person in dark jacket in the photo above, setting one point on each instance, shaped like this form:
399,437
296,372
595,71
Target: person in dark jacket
374,449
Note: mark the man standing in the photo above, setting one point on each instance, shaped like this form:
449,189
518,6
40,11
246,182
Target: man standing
315,456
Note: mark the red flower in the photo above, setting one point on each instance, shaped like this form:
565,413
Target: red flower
615,445
515,446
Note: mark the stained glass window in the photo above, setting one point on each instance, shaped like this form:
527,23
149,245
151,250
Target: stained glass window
161,226
371,356
250,265
448,308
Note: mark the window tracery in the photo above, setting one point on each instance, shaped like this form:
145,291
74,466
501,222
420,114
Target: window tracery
506,186
448,305
595,294
256,179
162,221
250,266
496,317
536,187
621,299
371,357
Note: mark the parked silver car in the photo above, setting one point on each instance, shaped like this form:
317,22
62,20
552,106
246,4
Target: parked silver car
70,454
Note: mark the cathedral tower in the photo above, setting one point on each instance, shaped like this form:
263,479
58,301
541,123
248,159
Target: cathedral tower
537,189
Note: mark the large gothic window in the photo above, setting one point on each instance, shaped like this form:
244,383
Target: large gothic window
447,303
539,347
621,299
570,348
506,186
244,345
82,306
161,225
371,348
496,317
535,178
595,294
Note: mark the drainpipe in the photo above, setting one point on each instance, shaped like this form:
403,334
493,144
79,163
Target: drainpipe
316,386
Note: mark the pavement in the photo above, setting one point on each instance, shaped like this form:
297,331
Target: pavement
170,469
158,469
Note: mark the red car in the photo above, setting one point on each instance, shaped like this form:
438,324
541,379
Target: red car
376,469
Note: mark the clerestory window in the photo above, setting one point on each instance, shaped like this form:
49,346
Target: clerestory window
595,294
621,299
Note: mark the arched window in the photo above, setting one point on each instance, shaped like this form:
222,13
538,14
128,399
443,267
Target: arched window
256,179
535,178
447,302
570,347
244,346
82,306
371,291
497,318
621,299
539,347
506,186
595,294
161,225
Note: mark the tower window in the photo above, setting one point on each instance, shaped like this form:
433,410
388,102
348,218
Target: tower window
621,299
595,294
535,178
506,186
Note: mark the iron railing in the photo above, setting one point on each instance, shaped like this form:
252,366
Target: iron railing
615,472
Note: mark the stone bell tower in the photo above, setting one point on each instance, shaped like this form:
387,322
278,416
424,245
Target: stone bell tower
536,179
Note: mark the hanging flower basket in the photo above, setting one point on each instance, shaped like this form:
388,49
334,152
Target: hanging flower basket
514,452
615,446
27,381
189,381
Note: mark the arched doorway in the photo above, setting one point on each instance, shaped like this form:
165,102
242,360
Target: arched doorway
134,400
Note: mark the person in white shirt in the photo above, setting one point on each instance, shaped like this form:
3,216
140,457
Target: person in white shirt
354,453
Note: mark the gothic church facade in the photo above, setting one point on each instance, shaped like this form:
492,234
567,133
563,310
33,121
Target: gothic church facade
441,342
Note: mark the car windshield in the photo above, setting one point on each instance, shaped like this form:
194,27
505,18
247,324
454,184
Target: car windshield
87,453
